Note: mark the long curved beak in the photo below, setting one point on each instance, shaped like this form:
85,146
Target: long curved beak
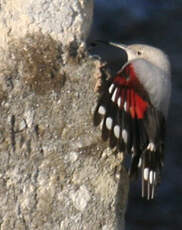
118,45
121,47
115,44
125,52
129,52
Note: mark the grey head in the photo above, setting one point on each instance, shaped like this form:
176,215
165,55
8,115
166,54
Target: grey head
149,53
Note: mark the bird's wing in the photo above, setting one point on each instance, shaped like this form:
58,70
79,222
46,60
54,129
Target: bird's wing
133,125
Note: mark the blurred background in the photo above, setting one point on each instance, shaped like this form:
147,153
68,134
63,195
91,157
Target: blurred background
157,23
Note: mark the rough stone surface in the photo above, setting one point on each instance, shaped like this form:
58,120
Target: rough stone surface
62,19
55,172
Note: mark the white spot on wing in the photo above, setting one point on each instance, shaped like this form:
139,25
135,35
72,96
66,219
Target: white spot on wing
102,110
111,88
145,173
114,95
101,124
140,162
125,135
119,102
125,106
109,123
151,147
151,176
117,131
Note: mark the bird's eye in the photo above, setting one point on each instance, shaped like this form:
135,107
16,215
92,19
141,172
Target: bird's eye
139,53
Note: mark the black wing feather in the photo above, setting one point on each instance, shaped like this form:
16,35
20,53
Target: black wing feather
141,129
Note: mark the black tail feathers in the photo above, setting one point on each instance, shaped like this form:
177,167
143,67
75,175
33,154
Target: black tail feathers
150,164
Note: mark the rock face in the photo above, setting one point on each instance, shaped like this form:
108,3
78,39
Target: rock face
55,172
63,20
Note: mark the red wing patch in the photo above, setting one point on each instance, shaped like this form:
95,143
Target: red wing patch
128,87
131,123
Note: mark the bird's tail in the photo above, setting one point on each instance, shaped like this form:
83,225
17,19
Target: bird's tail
150,173
150,163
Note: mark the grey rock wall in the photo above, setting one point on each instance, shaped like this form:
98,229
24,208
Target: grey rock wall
63,20
55,172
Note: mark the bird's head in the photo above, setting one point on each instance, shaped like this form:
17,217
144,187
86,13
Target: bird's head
149,53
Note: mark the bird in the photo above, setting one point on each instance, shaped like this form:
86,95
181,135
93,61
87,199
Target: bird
132,111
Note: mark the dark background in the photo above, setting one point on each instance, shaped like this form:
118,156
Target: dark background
157,23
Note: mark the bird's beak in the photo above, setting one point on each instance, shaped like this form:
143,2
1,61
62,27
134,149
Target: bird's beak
118,45
125,49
